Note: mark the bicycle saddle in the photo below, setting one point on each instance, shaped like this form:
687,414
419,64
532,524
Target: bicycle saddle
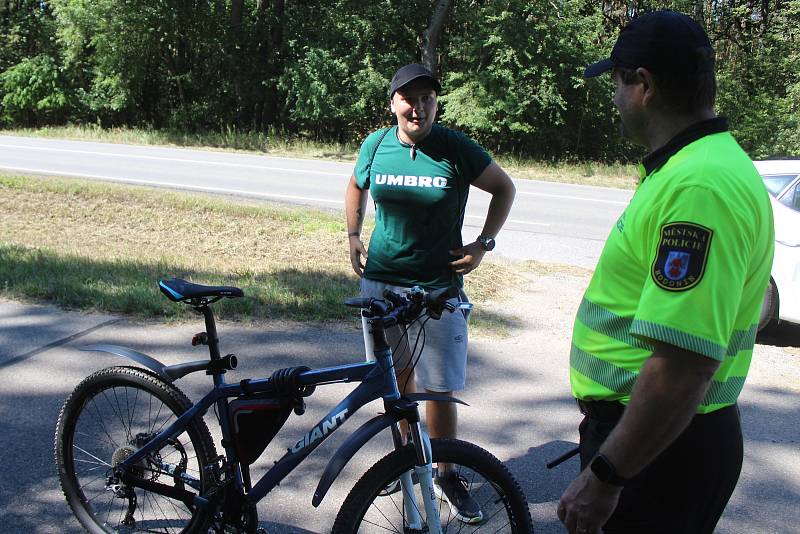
178,290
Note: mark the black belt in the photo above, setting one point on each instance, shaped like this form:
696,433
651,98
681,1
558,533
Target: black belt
605,411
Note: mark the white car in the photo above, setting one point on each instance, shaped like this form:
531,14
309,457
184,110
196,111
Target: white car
782,302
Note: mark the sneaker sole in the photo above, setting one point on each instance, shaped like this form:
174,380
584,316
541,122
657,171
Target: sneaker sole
468,520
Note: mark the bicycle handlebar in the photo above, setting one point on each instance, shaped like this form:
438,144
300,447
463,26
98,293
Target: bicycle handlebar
395,308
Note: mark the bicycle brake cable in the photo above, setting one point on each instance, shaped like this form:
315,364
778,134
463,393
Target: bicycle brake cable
403,335
422,334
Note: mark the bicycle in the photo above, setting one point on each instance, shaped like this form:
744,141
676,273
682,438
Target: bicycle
135,455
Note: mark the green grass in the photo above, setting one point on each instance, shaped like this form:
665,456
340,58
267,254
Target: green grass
276,144
103,247
230,139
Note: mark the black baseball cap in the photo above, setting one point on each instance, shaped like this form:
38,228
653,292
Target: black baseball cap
409,73
662,41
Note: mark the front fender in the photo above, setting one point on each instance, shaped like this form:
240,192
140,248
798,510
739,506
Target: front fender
343,454
148,361
360,437
433,396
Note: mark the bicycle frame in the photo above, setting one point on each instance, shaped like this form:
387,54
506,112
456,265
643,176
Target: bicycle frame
377,380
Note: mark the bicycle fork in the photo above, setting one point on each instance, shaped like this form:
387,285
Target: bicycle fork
423,470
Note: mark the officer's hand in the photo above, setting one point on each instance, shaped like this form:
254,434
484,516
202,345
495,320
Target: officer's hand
472,255
587,504
357,250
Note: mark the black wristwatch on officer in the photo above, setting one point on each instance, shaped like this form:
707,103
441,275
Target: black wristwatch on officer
605,471
486,243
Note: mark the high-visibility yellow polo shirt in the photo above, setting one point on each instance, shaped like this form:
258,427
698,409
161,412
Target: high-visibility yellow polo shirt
687,264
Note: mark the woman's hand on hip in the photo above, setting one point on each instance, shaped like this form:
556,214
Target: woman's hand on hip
471,256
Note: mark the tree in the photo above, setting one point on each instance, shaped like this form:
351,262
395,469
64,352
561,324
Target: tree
433,33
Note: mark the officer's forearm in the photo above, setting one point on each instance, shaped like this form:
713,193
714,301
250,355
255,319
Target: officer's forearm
670,386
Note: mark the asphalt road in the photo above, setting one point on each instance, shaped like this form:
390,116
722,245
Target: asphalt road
552,222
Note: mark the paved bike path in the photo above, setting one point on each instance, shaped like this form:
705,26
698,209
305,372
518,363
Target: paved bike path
518,391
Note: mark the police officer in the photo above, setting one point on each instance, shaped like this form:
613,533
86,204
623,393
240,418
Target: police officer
419,174
664,335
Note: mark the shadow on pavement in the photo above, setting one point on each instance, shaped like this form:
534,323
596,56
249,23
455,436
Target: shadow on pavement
521,411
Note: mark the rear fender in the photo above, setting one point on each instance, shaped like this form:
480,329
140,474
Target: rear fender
360,437
148,361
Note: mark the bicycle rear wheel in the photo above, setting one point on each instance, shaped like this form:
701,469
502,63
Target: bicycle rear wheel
504,508
110,415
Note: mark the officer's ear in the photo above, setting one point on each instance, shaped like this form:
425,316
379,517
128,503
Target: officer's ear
391,106
649,89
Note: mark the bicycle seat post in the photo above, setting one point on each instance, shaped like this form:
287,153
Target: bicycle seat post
211,331
213,340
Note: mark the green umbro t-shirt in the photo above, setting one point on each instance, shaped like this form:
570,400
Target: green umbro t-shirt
419,204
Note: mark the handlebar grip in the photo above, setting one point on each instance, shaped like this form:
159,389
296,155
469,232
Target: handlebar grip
376,306
441,295
358,302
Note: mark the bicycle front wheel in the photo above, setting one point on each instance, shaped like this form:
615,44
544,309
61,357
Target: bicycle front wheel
109,416
371,508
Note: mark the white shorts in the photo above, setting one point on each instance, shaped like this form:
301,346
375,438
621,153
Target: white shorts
443,364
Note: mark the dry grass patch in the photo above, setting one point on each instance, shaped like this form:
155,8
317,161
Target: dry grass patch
618,176
86,245
104,247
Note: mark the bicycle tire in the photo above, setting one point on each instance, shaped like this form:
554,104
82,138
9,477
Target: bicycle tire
98,427
501,498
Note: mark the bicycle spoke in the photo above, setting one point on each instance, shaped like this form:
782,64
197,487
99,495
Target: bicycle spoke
131,412
106,429
94,438
92,456
128,432
102,423
386,518
93,480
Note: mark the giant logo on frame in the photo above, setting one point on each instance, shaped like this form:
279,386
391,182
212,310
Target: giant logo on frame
682,255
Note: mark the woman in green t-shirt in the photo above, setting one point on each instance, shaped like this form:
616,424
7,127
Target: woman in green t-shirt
419,174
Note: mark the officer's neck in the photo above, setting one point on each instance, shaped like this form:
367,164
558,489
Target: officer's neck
665,126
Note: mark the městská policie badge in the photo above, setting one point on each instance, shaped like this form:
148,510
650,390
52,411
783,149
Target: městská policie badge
682,254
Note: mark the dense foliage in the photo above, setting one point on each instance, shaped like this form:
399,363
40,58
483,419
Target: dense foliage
511,69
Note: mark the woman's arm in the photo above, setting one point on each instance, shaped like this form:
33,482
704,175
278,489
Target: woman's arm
355,205
497,183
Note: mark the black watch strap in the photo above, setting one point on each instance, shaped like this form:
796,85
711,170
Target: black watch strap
605,471
486,243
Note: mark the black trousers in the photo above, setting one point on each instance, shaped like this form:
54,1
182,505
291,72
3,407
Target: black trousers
686,488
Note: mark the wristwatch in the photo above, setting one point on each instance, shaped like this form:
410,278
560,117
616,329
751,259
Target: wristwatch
605,471
486,243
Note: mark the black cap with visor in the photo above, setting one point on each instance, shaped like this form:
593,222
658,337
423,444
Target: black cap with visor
661,41
409,73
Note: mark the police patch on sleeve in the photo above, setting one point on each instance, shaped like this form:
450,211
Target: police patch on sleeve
682,254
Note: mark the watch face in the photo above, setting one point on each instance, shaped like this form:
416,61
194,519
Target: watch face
486,242
602,469
605,471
